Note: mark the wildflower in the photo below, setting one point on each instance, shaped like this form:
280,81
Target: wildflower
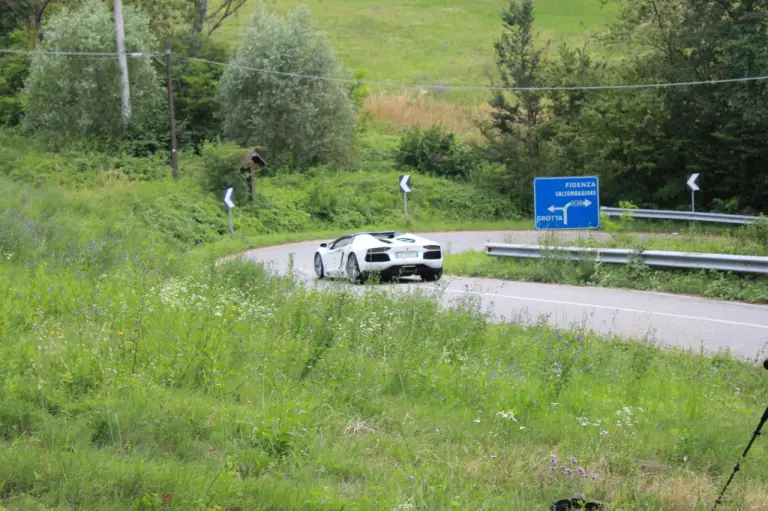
573,460
553,460
581,471
507,415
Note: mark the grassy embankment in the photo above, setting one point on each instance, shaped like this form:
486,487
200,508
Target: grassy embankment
745,240
289,207
298,207
134,374
130,373
428,42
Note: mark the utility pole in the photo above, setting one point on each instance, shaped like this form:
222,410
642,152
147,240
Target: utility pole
120,34
174,153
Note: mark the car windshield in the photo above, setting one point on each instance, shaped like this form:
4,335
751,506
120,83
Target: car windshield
383,236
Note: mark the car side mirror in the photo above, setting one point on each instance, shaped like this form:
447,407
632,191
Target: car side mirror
323,245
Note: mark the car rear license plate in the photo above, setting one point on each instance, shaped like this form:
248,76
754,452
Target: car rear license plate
403,255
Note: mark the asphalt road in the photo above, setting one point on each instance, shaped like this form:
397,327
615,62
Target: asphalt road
672,320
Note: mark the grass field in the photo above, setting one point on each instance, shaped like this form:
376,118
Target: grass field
224,389
140,379
429,41
137,376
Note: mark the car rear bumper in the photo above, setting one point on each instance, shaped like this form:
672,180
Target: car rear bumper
403,268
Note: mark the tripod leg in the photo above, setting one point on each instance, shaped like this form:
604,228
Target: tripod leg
763,420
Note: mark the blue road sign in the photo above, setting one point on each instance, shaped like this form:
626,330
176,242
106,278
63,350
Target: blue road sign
566,202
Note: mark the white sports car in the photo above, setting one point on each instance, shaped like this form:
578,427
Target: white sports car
388,254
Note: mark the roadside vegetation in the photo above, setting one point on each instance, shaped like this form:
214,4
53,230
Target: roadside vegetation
744,240
748,239
707,283
136,376
237,76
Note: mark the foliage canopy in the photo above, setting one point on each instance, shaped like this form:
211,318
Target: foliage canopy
298,121
78,96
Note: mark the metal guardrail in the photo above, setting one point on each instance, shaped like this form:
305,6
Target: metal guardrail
682,215
690,260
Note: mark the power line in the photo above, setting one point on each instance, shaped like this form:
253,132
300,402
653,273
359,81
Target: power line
483,87
75,53
73,57
406,85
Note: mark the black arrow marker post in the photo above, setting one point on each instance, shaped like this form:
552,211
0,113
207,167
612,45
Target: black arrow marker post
405,186
693,184
228,202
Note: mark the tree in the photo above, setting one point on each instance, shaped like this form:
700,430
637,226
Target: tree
513,130
23,15
520,65
194,90
300,121
76,97
226,9
168,19
20,29
718,130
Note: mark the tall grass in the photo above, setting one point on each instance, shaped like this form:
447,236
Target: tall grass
135,378
230,388
398,111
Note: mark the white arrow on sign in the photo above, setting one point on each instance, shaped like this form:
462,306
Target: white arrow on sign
578,203
228,200
405,182
692,182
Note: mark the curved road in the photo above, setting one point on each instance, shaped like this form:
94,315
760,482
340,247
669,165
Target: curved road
673,320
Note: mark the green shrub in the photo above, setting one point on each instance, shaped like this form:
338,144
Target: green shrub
22,160
221,169
435,152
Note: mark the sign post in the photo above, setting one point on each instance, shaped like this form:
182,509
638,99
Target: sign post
230,205
405,186
693,184
566,203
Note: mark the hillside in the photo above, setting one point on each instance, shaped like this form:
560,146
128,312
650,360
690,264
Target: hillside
429,41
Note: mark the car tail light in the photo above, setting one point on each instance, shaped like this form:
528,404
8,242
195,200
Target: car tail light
377,250
432,247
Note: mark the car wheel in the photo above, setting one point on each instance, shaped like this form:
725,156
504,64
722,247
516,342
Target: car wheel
353,269
432,276
319,270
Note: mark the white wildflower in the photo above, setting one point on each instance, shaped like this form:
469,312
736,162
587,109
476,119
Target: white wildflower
505,415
